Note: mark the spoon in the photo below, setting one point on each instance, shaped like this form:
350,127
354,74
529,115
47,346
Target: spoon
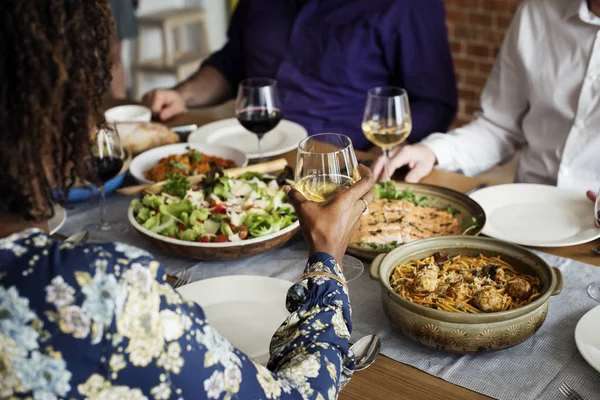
78,237
366,350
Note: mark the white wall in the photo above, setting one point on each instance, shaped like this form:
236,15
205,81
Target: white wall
217,18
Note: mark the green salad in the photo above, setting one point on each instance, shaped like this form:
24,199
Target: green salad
220,209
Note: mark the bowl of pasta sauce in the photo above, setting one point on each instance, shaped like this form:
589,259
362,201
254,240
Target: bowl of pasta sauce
465,294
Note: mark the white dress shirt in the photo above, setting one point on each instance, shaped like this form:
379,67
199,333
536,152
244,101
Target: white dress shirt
543,95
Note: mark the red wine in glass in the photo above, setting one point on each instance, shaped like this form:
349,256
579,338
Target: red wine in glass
257,106
105,168
259,120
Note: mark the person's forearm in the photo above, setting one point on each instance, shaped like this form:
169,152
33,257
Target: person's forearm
207,87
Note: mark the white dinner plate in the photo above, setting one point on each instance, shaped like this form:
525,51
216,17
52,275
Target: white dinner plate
247,310
537,215
150,158
60,216
285,137
587,337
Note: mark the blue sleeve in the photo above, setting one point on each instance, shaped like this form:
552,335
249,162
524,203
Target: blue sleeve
230,60
164,345
423,60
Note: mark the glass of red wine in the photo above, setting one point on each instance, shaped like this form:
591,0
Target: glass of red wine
105,163
257,107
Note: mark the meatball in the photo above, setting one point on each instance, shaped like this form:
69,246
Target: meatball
426,280
518,288
487,299
459,291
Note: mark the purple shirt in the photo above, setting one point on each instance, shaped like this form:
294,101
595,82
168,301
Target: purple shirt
326,55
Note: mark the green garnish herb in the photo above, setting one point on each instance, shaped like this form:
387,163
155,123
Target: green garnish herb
177,185
177,165
194,155
452,211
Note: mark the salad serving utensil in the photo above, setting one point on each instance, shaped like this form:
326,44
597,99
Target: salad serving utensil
271,166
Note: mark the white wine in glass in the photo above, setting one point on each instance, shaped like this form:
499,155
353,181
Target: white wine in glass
326,166
387,121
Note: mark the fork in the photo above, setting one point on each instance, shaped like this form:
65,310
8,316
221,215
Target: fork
569,392
183,278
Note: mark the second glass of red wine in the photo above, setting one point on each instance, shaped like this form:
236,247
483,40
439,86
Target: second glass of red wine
105,163
257,107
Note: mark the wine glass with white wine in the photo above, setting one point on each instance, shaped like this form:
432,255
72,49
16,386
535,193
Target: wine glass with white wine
326,166
387,121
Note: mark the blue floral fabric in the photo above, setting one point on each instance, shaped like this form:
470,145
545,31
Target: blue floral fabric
101,322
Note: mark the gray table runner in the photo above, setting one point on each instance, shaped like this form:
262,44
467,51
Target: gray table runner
533,370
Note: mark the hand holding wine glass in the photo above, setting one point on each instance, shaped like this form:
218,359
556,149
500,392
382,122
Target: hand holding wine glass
326,168
105,163
328,225
257,107
387,121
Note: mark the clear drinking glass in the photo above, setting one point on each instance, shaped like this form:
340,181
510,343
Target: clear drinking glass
594,288
327,165
257,107
105,163
387,121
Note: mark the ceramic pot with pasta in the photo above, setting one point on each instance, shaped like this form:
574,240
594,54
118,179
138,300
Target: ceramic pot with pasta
465,294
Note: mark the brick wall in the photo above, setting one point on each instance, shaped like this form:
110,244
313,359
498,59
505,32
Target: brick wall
476,29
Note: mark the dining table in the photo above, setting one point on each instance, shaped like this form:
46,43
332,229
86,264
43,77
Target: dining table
388,379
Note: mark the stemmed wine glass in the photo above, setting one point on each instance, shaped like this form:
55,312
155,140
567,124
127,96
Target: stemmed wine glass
594,288
257,107
387,121
327,165
105,163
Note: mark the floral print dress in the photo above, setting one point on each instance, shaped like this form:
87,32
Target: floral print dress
100,322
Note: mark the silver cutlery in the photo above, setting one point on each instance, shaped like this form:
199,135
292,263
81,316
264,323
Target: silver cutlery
569,392
365,350
78,238
476,188
183,278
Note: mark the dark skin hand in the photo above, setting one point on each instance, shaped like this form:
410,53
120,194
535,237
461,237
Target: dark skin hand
328,226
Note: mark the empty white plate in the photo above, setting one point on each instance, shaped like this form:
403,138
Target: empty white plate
60,216
229,132
587,337
247,310
537,215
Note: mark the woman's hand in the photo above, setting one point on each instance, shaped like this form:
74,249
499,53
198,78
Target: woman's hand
328,226
420,159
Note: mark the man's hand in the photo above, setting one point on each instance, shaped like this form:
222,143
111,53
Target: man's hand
420,160
166,103
328,226
592,196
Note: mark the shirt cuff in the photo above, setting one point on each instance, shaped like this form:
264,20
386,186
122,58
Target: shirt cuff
438,144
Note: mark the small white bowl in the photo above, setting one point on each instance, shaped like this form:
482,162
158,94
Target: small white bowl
150,158
128,113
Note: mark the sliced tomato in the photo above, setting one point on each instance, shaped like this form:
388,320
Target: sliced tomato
181,226
242,231
221,239
204,239
220,209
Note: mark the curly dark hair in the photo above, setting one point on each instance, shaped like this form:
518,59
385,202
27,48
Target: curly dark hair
54,71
